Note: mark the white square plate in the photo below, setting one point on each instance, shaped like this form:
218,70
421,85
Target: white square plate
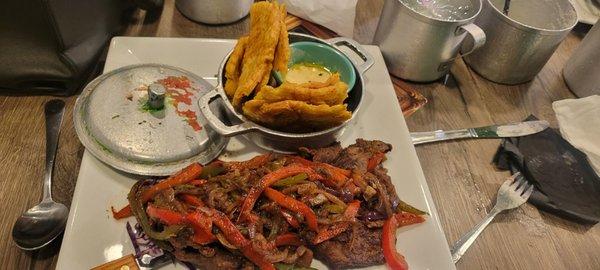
93,237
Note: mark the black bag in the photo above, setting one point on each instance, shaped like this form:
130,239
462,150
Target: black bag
51,46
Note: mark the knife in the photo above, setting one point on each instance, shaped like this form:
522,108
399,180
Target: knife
497,131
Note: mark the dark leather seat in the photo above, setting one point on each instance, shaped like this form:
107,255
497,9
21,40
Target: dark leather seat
51,46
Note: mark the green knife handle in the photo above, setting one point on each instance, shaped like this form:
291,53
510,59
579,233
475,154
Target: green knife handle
440,135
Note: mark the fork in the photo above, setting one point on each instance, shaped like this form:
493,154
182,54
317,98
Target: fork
514,192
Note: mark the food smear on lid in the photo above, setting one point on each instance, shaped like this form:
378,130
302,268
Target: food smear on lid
180,91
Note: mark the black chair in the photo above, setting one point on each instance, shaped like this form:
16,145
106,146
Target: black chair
52,46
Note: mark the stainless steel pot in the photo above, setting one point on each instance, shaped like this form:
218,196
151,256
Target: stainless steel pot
421,48
214,11
516,50
279,141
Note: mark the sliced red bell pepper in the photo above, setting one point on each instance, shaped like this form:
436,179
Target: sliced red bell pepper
290,219
338,170
340,227
313,164
188,174
267,181
198,182
212,169
166,216
334,180
352,210
406,218
358,180
192,200
293,205
375,160
235,237
123,213
257,258
337,176
300,160
394,259
253,163
288,239
331,232
231,233
202,238
352,188
202,225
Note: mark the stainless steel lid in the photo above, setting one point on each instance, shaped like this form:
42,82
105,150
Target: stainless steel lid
144,119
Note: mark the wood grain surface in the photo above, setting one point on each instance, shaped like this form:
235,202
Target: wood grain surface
460,175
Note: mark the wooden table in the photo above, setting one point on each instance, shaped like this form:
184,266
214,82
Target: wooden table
460,175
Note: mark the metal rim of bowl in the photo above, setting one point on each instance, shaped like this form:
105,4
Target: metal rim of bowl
424,18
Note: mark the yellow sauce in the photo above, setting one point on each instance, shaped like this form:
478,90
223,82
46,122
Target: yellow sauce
305,72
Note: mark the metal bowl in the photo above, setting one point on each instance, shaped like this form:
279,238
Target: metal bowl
279,141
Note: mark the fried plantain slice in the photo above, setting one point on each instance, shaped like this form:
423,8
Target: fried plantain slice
282,52
233,67
332,94
293,113
265,27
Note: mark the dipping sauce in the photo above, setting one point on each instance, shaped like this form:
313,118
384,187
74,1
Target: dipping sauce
307,72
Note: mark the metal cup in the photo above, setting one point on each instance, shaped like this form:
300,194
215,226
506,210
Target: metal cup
517,48
421,48
582,71
214,11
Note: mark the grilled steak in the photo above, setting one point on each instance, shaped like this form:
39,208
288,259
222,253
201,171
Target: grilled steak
219,259
357,247
355,156
360,246
204,220
325,154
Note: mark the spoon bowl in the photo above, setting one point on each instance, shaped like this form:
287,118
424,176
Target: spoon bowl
40,225
44,222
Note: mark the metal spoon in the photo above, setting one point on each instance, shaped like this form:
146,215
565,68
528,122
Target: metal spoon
44,222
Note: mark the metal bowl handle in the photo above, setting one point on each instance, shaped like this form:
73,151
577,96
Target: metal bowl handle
356,48
215,122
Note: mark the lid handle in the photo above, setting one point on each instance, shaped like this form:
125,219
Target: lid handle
156,96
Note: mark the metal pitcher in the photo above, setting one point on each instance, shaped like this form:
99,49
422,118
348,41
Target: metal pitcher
582,71
422,48
520,44
214,11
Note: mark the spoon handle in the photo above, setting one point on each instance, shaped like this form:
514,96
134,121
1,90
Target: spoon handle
54,110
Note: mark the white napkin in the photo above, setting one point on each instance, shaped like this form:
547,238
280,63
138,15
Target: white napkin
579,121
337,15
